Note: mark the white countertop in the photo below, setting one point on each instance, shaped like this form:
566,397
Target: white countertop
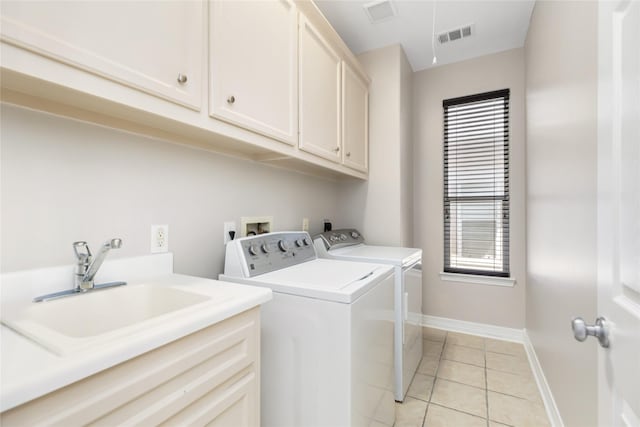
28,371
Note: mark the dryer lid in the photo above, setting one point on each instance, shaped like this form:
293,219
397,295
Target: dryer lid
379,254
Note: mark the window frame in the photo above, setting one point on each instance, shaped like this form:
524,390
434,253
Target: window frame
502,231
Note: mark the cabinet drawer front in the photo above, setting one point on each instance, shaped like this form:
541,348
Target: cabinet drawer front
149,46
153,387
253,63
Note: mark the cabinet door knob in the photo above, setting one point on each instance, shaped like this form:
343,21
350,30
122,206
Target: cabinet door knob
336,149
349,154
182,78
231,99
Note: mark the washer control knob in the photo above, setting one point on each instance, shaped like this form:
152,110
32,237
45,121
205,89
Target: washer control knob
265,248
307,241
300,243
355,234
253,250
283,245
334,238
343,237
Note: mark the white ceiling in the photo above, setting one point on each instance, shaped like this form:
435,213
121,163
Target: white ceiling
499,25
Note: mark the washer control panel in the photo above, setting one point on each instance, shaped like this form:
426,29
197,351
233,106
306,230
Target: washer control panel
273,251
340,238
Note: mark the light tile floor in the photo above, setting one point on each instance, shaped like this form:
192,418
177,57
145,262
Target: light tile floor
465,380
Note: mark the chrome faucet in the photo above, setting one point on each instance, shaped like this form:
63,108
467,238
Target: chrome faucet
87,266
85,270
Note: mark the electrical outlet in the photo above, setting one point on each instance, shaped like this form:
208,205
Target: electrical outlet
227,227
159,238
305,224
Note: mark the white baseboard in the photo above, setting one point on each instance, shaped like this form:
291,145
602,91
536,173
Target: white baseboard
472,328
507,334
543,385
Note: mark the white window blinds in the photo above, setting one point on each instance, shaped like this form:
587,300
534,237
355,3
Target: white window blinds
476,184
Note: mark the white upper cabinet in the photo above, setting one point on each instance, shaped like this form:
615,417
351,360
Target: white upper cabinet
355,119
253,66
268,80
152,46
320,97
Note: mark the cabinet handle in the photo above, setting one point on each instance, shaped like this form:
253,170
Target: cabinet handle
349,154
182,78
231,99
335,150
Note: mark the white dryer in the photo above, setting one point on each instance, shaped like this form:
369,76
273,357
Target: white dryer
326,336
348,244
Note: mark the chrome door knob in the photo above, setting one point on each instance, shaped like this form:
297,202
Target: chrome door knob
581,330
182,79
336,149
231,99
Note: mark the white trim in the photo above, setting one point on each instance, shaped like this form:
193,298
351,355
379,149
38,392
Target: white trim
473,328
479,280
543,386
507,334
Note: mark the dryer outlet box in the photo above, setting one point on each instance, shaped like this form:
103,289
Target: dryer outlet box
253,225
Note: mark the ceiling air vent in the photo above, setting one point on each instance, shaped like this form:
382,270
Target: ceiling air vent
456,34
380,11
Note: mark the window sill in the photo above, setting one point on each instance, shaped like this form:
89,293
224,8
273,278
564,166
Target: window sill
478,280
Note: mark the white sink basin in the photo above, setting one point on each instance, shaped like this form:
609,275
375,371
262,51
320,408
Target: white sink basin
70,323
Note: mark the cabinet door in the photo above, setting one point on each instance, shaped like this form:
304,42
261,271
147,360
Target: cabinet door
355,119
253,66
155,47
319,94
210,376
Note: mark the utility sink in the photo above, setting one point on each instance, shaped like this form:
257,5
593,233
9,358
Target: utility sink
72,323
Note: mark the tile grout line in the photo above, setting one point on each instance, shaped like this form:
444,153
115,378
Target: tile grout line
458,410
518,374
486,371
435,377
464,363
429,403
477,388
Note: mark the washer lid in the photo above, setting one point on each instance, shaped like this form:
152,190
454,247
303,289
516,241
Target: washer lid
327,279
378,254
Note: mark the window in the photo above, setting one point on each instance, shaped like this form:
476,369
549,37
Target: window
476,184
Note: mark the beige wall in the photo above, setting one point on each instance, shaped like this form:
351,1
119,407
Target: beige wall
561,89
503,306
381,208
64,180
406,149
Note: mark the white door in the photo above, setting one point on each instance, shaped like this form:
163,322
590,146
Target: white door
619,211
254,68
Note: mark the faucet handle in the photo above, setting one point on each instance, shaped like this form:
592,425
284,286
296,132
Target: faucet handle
82,250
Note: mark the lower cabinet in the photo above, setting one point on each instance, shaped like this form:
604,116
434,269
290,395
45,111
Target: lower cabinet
211,377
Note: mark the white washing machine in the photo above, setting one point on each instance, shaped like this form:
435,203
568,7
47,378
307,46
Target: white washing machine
326,336
348,244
